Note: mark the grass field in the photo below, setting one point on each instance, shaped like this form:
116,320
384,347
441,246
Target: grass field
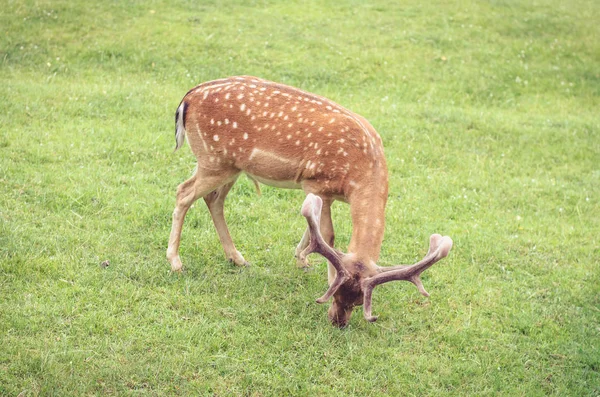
489,113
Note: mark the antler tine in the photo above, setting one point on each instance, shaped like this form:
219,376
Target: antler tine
439,247
434,243
311,210
367,287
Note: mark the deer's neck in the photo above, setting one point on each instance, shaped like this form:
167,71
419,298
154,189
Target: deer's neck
367,206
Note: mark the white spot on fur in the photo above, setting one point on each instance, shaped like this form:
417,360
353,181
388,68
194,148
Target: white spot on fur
234,124
245,136
216,138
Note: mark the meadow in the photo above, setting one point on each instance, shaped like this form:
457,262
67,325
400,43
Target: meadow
489,114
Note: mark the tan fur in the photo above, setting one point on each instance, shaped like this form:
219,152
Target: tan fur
286,137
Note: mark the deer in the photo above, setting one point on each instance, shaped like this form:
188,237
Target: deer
285,137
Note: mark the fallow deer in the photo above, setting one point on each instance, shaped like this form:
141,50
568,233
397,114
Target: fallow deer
285,137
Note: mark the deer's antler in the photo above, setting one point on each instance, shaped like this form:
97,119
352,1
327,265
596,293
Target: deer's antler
311,210
439,247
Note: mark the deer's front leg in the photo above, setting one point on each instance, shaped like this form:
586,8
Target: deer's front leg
301,260
216,202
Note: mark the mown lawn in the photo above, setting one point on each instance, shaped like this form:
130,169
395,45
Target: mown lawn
489,112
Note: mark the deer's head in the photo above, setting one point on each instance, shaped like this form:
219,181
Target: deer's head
354,281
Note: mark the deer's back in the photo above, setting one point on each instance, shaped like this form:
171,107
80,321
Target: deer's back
279,134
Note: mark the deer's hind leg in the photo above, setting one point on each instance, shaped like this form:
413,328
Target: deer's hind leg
215,201
201,184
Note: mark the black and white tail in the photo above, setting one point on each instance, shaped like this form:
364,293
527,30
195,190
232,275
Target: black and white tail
180,125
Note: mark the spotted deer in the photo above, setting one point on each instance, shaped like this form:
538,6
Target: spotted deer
285,137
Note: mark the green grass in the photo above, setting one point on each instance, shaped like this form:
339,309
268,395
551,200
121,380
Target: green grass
489,116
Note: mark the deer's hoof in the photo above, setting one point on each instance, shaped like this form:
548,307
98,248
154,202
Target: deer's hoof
238,260
302,264
176,265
